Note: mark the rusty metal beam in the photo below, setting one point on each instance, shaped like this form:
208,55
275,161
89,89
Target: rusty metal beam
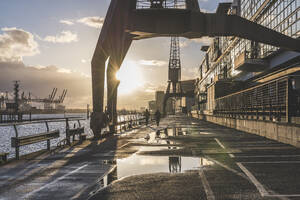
192,24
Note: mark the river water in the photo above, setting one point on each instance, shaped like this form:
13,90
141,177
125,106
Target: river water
6,132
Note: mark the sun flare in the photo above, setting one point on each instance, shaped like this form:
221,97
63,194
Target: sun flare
130,76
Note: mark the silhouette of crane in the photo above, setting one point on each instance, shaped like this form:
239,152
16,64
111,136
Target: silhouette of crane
128,20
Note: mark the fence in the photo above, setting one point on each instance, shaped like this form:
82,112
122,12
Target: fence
129,121
17,141
274,100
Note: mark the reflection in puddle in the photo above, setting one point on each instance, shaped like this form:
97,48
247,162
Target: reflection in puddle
205,133
139,164
156,136
109,178
176,132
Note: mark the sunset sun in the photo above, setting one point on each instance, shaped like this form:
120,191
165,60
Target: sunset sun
130,76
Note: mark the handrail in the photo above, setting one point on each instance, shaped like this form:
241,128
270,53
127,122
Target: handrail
40,121
251,88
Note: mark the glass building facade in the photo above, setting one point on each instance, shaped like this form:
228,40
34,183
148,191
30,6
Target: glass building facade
222,55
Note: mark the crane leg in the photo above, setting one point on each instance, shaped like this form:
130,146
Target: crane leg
112,88
114,43
98,71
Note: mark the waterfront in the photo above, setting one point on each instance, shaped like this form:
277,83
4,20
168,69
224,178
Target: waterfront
193,159
6,132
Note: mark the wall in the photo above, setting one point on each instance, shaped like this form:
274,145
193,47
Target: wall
282,132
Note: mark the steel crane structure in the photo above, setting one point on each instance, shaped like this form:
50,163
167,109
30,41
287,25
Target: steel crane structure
23,99
174,88
128,20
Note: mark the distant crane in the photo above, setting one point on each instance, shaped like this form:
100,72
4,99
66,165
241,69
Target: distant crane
22,99
51,99
52,96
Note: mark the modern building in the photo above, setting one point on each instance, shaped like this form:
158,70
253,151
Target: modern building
188,88
159,98
158,103
242,78
152,106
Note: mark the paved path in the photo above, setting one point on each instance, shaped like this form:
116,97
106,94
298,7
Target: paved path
68,174
233,165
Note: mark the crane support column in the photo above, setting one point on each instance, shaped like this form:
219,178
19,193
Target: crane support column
98,72
113,43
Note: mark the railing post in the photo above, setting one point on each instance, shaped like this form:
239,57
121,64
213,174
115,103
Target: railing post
79,124
68,137
287,102
17,145
48,141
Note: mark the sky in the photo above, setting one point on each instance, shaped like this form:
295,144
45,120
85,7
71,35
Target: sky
50,43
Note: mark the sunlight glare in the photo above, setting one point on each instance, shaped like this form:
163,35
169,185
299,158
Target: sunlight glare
130,77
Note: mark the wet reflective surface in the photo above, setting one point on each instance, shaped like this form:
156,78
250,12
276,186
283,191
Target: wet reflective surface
140,164
137,164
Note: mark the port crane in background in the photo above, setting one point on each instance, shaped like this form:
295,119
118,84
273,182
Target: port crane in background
23,102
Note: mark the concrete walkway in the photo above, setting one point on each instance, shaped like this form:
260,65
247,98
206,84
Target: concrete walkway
229,165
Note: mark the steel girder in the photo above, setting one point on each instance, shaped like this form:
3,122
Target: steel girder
124,23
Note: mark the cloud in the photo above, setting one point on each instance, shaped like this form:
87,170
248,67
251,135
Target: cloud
204,40
85,60
67,22
189,73
187,42
95,22
40,80
184,43
64,37
16,43
152,62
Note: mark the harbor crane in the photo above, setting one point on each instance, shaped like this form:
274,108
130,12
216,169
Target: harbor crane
128,20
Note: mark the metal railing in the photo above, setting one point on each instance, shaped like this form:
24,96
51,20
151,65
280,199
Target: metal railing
146,4
272,100
18,140
129,122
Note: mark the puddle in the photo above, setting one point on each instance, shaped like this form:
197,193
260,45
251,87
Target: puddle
109,178
145,164
176,132
139,164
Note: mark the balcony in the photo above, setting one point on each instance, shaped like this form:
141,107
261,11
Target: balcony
243,62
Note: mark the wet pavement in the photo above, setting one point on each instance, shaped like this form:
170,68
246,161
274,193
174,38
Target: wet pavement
184,158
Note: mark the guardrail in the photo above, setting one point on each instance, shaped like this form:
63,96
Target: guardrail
71,133
273,100
3,156
130,122
17,142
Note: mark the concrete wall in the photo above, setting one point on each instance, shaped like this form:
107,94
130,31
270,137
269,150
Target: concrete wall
282,132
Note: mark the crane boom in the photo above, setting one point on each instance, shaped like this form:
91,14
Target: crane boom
63,97
55,91
51,95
